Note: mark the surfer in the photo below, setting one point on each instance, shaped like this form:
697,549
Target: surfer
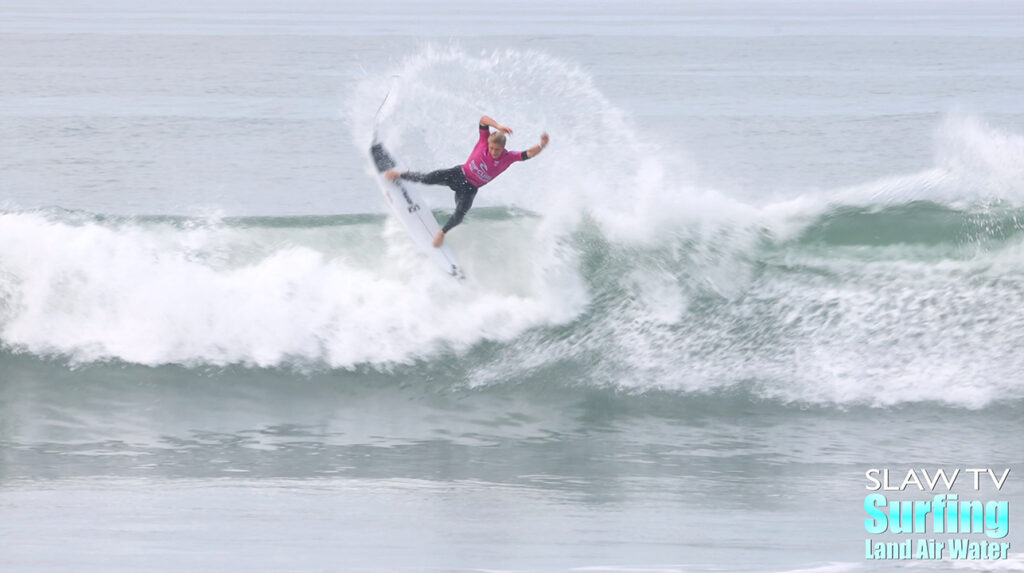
487,160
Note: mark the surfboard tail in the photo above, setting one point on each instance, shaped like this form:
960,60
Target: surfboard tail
381,158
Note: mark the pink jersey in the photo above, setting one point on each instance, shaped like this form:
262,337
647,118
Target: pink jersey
481,168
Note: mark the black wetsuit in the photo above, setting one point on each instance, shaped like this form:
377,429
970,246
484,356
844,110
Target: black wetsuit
465,191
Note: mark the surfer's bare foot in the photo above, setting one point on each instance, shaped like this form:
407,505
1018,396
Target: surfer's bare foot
392,175
439,239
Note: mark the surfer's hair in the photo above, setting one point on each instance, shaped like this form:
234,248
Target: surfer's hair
497,137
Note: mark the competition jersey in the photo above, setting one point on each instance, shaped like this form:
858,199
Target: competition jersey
481,168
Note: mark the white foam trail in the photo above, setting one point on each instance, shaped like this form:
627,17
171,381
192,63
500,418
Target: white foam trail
598,164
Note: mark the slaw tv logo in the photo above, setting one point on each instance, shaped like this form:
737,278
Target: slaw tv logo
945,526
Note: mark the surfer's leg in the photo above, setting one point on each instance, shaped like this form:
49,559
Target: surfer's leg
439,177
463,201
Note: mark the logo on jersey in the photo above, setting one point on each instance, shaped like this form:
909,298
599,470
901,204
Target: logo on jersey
480,170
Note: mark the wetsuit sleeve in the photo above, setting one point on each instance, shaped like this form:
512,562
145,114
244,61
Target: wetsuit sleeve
485,132
524,156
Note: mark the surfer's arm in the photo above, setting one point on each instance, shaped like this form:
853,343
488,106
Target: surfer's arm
486,121
531,152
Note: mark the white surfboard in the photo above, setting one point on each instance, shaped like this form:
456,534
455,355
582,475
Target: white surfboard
407,204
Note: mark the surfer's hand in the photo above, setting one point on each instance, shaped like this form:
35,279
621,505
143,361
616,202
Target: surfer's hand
504,129
392,175
544,139
438,239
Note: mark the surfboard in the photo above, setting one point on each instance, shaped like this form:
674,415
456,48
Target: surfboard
408,206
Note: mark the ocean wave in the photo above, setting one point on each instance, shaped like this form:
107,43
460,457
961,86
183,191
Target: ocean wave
828,318
618,275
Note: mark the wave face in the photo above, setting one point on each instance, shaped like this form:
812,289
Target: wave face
609,269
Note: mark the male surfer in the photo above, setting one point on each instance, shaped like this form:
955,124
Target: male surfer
487,160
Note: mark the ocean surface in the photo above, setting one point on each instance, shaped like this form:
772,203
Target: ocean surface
772,245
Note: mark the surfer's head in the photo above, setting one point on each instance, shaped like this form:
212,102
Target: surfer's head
496,144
